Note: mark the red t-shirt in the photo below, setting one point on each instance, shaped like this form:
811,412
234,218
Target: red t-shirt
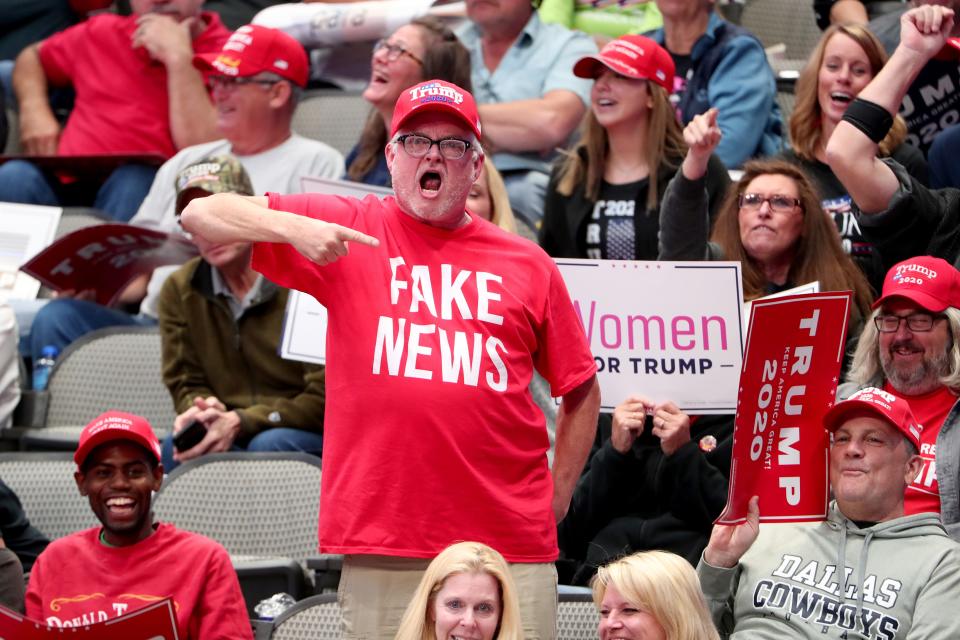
78,580
431,435
930,410
122,105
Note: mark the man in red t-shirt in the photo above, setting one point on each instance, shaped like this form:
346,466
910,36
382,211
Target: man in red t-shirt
130,561
437,320
137,93
910,348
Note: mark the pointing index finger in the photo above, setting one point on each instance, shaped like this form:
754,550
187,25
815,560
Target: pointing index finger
352,235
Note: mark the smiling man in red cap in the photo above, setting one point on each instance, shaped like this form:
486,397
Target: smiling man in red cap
129,561
911,348
437,320
867,571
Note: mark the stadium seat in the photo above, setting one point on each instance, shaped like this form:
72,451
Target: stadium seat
262,507
790,22
75,218
314,618
577,617
12,146
331,116
113,368
44,483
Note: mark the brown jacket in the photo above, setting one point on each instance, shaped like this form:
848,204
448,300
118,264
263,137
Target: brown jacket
206,352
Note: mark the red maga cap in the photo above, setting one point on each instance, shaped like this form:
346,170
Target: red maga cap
932,283
436,95
253,49
885,406
635,57
116,425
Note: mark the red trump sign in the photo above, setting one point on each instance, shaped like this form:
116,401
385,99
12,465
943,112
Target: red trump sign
791,363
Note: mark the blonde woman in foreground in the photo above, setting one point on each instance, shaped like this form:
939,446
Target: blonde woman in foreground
466,592
652,595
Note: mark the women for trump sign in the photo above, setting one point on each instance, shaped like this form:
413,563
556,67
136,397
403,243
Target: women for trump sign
791,364
668,330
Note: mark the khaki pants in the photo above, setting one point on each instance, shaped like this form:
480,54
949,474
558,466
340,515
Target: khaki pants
375,591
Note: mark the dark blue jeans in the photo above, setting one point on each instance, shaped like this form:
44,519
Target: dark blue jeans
60,322
119,196
278,439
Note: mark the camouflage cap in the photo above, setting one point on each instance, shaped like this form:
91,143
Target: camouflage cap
216,174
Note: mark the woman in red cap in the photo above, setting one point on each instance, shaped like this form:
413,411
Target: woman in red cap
604,196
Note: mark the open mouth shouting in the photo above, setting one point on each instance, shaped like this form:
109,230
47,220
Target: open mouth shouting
430,182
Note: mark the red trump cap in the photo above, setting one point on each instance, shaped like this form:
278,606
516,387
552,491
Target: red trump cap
883,405
253,49
116,425
439,96
636,57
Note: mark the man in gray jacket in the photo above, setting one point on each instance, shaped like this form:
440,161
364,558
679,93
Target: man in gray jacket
867,571
911,348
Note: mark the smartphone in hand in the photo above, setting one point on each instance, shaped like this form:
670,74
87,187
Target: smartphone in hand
190,436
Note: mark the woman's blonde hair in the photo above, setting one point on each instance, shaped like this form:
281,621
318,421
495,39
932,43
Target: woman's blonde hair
462,557
501,213
806,117
818,255
665,586
584,164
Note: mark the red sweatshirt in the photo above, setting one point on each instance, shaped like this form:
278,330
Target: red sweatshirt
78,580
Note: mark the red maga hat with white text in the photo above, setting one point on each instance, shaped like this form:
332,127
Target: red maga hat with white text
253,49
116,425
883,405
636,57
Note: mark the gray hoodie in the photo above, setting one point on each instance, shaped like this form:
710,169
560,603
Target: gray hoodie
898,579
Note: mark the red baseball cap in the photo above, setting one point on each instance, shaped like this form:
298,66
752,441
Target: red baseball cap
932,283
885,406
436,95
116,425
636,57
253,49
954,42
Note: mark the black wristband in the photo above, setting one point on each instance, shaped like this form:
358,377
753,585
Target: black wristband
870,118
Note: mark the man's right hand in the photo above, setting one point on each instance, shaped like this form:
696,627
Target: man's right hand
728,543
39,131
326,242
702,136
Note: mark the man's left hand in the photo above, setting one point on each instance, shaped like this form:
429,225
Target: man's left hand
166,40
222,429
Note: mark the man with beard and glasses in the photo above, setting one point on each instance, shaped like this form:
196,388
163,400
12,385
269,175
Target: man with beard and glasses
437,320
910,349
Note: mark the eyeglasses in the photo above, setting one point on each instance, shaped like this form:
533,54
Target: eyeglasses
394,51
778,203
229,82
418,146
916,322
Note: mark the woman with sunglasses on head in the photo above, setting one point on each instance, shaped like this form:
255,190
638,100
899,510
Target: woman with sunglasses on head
426,48
845,60
771,221
603,197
